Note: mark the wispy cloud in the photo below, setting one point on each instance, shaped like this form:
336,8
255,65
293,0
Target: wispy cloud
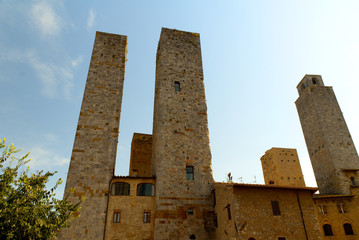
77,61
45,18
42,157
52,77
91,18
55,79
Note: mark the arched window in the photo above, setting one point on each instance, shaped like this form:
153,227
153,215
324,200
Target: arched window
192,236
348,229
120,189
327,230
145,189
251,238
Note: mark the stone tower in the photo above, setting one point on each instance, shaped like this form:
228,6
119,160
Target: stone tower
94,153
331,149
181,153
281,167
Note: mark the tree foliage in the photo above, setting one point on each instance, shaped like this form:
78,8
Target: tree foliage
27,209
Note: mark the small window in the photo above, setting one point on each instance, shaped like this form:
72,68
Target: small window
177,87
229,212
117,217
121,189
145,189
352,180
327,230
271,182
190,211
281,238
275,208
322,209
341,208
189,173
192,236
251,238
314,80
146,217
348,229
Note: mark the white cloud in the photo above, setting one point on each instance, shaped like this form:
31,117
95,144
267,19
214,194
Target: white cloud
77,61
91,18
44,158
46,75
55,80
45,18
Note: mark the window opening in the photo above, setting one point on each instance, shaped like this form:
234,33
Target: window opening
145,189
251,238
189,173
177,87
281,238
192,236
327,230
341,208
121,189
271,182
322,209
190,211
229,211
275,208
348,229
146,217
117,217
353,181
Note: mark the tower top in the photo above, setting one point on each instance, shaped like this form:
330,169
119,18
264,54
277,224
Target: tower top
309,80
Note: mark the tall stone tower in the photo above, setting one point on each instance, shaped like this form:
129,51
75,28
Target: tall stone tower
181,153
281,167
332,152
94,153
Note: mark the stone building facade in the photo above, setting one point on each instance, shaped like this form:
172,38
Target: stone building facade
170,192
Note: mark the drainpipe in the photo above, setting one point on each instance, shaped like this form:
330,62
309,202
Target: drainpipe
301,214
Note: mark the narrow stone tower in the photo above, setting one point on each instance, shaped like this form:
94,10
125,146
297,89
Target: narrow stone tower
94,153
181,158
331,149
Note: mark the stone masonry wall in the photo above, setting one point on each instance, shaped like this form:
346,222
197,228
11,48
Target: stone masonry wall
281,167
94,152
328,140
131,208
251,214
180,138
337,211
141,155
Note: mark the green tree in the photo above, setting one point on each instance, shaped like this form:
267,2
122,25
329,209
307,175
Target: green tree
27,209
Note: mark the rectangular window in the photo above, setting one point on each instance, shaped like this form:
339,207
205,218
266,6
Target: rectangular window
177,87
189,173
342,208
190,211
322,209
275,208
117,217
229,213
146,217
281,238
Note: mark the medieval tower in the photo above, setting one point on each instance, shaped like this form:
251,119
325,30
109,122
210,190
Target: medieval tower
181,158
331,149
170,192
94,151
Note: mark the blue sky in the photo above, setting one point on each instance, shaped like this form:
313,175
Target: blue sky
254,55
